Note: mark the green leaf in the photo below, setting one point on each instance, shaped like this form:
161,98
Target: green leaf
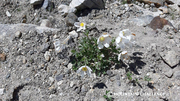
105,96
73,51
107,91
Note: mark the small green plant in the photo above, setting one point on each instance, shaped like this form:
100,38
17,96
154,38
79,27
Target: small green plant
147,78
129,74
107,97
124,1
18,9
88,54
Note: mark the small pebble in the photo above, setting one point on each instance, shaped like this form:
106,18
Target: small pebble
71,83
71,19
31,52
147,6
47,55
8,75
109,72
74,34
8,14
59,83
59,77
1,91
84,88
51,79
24,60
118,82
18,34
69,65
2,57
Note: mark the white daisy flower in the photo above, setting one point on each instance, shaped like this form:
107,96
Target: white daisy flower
122,43
126,33
104,40
83,70
125,39
123,56
80,26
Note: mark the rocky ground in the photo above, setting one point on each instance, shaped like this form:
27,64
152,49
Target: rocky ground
31,69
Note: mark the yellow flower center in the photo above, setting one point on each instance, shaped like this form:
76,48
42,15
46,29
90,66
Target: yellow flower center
123,33
84,69
81,24
102,38
120,39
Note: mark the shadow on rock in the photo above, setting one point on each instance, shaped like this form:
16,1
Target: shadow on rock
138,63
99,85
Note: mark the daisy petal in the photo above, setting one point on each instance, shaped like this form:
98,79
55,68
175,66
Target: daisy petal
77,24
100,46
82,74
79,29
106,45
118,39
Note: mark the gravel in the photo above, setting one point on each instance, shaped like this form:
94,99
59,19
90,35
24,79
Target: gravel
34,66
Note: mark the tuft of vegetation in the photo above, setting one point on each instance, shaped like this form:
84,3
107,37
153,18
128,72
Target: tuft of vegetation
99,60
129,76
107,97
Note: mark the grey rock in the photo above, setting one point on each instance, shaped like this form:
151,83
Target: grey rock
59,77
52,90
51,79
8,75
71,84
70,65
92,4
170,58
147,6
179,27
52,96
174,9
45,23
67,70
47,55
84,88
109,73
118,82
18,34
1,91
31,52
8,14
143,20
8,30
117,77
45,4
70,19
164,10
36,2
177,75
74,34
45,47
59,83
77,90
175,1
